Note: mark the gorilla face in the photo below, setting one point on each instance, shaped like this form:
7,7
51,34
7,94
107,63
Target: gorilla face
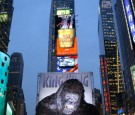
70,102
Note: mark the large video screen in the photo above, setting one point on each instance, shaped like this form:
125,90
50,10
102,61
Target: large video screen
67,64
60,51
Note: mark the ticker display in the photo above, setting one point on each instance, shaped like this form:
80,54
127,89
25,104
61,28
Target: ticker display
63,12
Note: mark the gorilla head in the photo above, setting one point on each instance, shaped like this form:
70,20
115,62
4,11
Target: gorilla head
69,96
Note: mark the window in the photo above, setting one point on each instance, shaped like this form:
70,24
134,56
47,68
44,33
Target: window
2,63
5,58
2,81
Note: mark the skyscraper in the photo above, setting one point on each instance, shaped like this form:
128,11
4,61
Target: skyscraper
6,11
15,93
124,11
111,74
62,51
4,68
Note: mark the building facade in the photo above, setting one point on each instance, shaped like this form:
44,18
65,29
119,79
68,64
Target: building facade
4,69
62,49
6,11
111,74
15,93
125,14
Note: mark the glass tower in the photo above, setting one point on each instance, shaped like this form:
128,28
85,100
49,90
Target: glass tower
15,93
111,74
6,11
124,10
62,49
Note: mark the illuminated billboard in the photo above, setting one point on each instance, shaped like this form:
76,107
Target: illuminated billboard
132,69
66,51
49,83
63,12
66,37
130,19
4,66
64,22
67,64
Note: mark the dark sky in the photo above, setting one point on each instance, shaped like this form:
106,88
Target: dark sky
29,36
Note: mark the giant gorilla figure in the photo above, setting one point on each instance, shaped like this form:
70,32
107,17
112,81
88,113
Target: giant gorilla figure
68,100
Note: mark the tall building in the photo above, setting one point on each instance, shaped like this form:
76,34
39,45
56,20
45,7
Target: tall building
62,49
111,74
4,68
98,100
6,11
125,18
15,93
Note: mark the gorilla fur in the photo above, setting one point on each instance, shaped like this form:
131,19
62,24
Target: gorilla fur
68,100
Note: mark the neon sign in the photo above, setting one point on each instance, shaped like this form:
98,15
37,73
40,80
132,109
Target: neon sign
130,18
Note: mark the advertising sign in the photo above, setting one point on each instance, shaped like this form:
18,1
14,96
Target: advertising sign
130,19
60,51
49,83
132,69
67,64
66,37
63,12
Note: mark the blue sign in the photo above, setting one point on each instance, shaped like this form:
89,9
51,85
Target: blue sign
130,18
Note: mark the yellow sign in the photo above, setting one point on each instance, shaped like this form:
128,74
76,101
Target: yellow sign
66,37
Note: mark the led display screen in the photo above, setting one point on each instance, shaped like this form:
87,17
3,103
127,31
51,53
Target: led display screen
8,110
66,37
50,82
130,19
63,12
132,69
66,51
67,64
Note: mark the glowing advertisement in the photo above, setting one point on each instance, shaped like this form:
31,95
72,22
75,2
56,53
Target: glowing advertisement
67,64
66,37
49,83
130,18
4,65
63,12
66,51
132,69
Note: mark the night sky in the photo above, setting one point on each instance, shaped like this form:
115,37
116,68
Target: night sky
29,36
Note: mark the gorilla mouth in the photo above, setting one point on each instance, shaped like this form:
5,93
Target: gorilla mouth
69,107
